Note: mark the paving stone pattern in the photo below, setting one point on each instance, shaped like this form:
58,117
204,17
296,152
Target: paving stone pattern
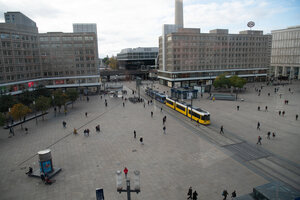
169,163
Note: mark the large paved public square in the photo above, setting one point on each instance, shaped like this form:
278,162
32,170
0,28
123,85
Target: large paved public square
187,155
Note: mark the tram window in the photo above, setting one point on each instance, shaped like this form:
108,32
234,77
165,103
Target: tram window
180,107
169,102
196,115
205,117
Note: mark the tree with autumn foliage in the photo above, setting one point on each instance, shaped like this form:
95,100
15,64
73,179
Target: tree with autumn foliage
18,111
113,63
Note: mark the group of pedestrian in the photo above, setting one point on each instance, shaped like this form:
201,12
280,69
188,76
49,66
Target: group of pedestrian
45,178
266,108
225,194
281,113
192,195
269,135
86,132
141,138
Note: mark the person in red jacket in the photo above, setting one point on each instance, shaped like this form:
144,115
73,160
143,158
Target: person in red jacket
125,172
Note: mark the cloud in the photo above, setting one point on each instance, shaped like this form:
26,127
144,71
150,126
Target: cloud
134,23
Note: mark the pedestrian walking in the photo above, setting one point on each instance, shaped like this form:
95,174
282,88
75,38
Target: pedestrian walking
151,113
123,104
144,105
283,112
101,96
105,101
75,131
105,104
164,129
87,99
258,126
273,134
195,195
279,112
86,114
269,134
134,134
164,121
161,109
259,140
258,108
64,124
225,194
297,116
141,140
222,130
98,128
125,172
238,107
190,193
266,108
26,130
233,194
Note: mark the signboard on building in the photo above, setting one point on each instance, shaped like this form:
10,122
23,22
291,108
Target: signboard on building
30,84
59,82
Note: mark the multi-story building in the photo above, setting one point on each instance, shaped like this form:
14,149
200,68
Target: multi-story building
29,59
71,57
141,58
285,56
188,57
19,51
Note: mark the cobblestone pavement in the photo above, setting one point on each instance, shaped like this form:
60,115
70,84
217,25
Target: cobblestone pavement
187,155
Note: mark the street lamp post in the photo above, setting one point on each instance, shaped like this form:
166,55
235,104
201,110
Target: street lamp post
192,107
210,82
128,189
54,106
35,112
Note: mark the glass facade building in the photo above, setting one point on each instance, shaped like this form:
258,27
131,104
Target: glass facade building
285,56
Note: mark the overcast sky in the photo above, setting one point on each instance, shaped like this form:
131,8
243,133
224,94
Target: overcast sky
138,23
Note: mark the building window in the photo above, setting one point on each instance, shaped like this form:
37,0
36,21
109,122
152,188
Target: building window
4,36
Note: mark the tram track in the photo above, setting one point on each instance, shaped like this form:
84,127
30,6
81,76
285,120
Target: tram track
271,167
